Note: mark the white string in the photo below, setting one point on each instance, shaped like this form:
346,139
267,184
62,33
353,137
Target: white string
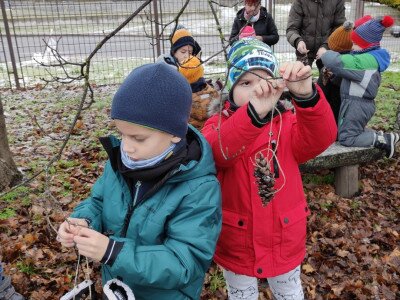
273,152
77,272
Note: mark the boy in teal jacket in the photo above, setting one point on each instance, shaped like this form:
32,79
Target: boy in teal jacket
153,217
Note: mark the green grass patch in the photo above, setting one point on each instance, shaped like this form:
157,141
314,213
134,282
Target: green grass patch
15,194
26,268
387,102
7,213
318,179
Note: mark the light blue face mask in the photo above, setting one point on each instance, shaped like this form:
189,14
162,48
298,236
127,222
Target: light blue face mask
140,164
255,18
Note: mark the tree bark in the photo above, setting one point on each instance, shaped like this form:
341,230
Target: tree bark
9,174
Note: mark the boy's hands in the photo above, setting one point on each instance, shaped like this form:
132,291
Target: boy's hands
90,243
265,95
298,78
68,229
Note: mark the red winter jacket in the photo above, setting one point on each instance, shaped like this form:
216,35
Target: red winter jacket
266,241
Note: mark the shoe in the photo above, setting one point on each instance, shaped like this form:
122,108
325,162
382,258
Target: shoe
387,142
7,291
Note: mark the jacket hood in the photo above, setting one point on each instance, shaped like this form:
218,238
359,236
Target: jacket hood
382,56
195,166
240,13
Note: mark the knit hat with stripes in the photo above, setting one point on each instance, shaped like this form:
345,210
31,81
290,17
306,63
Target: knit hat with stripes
369,33
182,37
340,40
249,54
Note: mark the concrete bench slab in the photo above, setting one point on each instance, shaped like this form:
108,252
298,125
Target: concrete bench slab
345,162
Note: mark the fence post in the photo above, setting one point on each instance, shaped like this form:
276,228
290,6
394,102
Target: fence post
157,29
357,9
10,46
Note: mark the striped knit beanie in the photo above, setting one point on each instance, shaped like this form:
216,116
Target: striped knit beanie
182,37
249,54
369,33
340,40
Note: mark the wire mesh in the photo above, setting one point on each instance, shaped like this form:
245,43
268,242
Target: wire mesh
74,28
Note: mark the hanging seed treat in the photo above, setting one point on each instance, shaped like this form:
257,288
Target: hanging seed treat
264,179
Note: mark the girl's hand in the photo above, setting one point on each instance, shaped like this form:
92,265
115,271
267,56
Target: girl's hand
91,243
298,78
265,95
68,229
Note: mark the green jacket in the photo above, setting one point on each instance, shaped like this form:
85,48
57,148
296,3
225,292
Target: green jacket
171,237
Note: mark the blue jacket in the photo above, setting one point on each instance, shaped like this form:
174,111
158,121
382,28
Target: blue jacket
171,237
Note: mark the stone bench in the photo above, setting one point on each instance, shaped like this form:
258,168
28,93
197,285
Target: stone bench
345,162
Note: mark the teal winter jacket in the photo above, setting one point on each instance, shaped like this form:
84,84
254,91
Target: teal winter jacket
171,236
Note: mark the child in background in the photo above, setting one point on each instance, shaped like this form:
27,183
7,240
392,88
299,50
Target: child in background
183,46
154,216
258,146
338,41
247,31
202,92
361,71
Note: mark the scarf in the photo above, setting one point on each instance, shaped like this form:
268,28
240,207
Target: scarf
140,164
251,18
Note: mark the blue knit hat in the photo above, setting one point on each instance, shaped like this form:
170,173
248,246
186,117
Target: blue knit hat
369,31
249,54
155,96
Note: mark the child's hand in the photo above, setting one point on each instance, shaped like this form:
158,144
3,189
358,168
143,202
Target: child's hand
68,229
91,243
298,78
265,95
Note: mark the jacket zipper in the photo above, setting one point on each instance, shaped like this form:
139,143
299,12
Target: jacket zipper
137,186
130,209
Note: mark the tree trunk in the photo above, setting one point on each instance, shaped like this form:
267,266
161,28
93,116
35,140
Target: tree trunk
9,174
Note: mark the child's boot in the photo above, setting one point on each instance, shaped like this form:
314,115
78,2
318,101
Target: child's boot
387,142
7,291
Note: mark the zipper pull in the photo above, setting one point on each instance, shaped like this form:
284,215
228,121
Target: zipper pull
137,187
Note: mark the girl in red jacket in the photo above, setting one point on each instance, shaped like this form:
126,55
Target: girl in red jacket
257,145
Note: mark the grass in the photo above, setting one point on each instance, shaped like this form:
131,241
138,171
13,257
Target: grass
7,213
387,102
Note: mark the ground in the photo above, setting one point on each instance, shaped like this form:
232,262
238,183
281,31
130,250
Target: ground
353,248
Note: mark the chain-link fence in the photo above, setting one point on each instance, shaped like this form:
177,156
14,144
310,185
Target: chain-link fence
30,31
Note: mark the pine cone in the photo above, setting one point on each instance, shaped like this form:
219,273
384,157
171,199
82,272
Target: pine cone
264,179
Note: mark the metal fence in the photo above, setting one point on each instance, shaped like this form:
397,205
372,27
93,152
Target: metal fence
29,30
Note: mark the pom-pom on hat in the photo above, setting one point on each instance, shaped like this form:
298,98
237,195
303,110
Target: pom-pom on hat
340,40
368,33
155,96
192,69
248,54
247,31
182,37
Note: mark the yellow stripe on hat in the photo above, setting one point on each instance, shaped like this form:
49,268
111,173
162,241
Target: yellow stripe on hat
180,33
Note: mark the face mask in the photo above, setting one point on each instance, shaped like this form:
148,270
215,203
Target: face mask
140,164
255,18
